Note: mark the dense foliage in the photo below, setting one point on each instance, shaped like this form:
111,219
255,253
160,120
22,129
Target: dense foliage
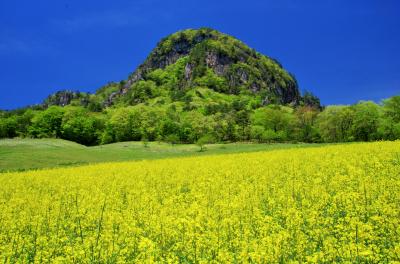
197,85
206,113
208,58
333,204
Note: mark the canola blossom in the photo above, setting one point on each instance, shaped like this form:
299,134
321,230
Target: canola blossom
338,203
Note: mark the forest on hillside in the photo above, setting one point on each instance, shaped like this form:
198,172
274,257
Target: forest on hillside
191,121
202,86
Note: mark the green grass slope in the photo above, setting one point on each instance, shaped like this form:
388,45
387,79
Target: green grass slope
25,154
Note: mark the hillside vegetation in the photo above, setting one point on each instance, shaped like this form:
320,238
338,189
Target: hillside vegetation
317,205
365,121
202,86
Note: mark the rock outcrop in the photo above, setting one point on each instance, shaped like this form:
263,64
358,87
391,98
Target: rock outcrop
65,97
199,58
240,66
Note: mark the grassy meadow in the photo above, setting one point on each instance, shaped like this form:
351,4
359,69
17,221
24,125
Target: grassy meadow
337,203
25,154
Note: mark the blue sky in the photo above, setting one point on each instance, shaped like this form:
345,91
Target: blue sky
343,51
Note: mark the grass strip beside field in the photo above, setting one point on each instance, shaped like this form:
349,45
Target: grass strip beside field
27,154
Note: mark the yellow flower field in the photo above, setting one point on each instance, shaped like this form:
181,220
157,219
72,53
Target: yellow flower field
325,204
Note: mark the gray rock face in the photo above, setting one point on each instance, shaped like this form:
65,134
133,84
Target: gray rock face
239,65
231,66
219,63
109,100
188,71
63,98
161,58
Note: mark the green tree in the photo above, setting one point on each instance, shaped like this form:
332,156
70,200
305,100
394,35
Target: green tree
140,92
391,108
172,139
196,125
24,121
306,130
366,121
47,123
145,141
279,119
81,126
243,121
270,136
124,124
203,140
169,126
335,123
8,127
257,132
310,100
212,81
390,123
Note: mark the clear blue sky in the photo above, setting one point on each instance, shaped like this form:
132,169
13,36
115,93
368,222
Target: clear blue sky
342,50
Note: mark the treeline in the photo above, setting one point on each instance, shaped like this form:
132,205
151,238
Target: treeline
238,121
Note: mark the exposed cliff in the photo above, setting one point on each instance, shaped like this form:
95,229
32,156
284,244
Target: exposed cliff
191,59
238,67
65,97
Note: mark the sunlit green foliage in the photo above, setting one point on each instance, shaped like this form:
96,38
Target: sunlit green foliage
198,83
47,123
81,126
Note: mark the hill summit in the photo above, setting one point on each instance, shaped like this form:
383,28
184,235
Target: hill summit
209,58
194,59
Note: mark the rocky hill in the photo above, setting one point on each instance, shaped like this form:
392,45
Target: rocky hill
190,59
208,53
